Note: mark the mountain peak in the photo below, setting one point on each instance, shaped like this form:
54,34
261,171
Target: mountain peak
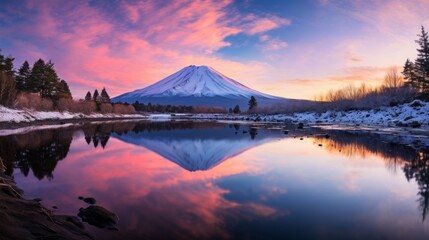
194,81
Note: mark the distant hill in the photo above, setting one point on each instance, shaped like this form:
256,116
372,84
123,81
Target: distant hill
199,86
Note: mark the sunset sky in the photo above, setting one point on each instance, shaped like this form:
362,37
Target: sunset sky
289,48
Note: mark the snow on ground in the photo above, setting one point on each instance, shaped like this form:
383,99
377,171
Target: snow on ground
15,115
401,115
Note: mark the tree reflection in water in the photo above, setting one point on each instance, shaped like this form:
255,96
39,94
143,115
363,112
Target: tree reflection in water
41,150
418,169
414,163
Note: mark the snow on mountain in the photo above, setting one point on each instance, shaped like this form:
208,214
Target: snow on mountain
199,149
197,85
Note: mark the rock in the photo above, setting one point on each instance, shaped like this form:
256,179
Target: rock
244,132
416,103
320,145
98,216
285,131
415,124
300,125
326,136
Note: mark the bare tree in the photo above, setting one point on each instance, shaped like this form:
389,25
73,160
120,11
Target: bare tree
393,79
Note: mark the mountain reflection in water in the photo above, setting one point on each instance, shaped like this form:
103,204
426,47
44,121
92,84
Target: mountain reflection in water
201,194
198,146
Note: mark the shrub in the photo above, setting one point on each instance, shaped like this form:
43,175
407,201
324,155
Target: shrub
105,107
123,109
88,107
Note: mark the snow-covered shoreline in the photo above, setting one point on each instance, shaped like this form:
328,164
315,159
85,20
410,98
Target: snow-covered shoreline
414,114
19,116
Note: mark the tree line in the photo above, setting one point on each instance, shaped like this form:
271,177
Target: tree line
397,87
39,87
253,107
41,78
99,98
416,73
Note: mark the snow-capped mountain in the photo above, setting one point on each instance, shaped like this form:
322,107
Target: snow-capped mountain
203,148
198,85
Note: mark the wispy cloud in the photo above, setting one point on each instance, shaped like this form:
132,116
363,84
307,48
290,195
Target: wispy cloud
135,44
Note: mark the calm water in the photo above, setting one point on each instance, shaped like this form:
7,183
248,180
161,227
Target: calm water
184,180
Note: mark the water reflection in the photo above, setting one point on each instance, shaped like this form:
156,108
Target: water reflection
196,145
257,183
414,163
418,169
39,151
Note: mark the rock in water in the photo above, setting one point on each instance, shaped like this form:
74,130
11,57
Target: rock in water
99,216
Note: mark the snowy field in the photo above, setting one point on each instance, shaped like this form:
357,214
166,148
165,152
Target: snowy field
414,114
15,115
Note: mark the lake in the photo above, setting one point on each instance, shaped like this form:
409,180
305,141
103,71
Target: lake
213,180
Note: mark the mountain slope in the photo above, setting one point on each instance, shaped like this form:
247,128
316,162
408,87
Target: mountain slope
198,85
200,149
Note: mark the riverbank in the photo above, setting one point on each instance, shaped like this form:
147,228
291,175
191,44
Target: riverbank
15,118
414,114
410,117
29,219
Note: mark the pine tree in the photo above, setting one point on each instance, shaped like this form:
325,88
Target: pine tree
23,76
104,96
422,62
51,87
252,103
88,96
6,63
409,74
236,109
64,90
95,95
34,83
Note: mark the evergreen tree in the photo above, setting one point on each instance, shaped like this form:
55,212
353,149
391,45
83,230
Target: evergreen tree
104,96
34,83
23,76
409,74
6,63
50,83
252,103
236,109
422,62
64,90
95,95
88,96
230,110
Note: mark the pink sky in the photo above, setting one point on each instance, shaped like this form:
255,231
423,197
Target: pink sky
294,49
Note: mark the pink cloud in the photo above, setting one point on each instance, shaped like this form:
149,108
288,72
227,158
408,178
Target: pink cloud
93,49
275,44
260,25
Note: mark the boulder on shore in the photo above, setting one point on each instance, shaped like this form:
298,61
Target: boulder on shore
99,216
